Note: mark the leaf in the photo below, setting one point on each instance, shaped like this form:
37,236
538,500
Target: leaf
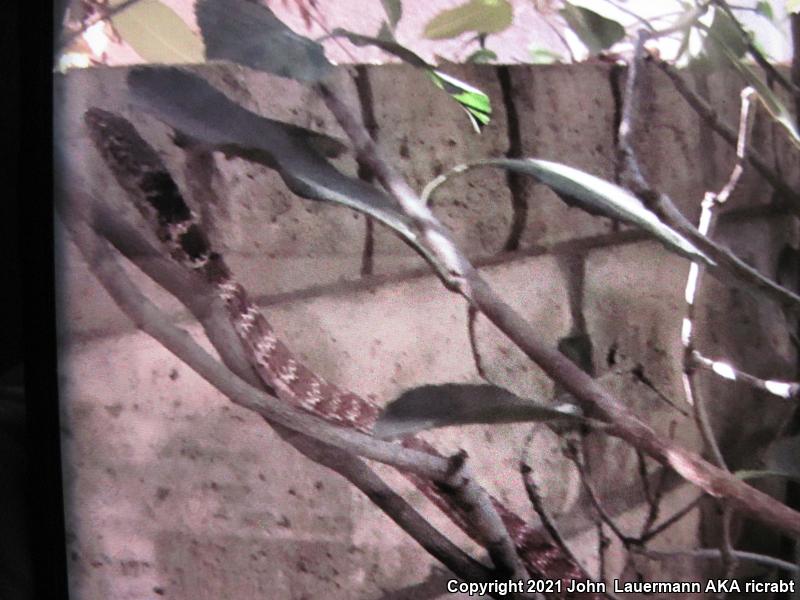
431,406
480,16
792,6
597,32
481,56
472,100
476,104
394,10
589,193
249,34
157,33
765,10
191,106
722,35
543,56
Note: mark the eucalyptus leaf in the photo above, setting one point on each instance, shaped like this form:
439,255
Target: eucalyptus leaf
543,56
432,406
483,55
480,16
765,10
157,33
394,10
597,32
589,193
249,34
191,106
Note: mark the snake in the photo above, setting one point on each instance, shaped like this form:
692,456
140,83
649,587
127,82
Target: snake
141,172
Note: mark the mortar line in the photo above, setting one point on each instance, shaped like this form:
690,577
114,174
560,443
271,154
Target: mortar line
514,181
366,103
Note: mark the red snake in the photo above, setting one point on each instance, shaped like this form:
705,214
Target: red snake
140,171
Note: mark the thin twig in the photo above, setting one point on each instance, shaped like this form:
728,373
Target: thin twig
538,505
667,523
788,390
472,317
571,452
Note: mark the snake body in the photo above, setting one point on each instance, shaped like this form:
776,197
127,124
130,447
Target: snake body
139,169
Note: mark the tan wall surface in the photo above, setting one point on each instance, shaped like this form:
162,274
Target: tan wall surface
174,492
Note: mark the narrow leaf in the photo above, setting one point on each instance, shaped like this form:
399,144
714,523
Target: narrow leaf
543,56
765,10
597,32
394,10
723,34
589,193
433,406
480,16
191,106
157,33
250,34
481,56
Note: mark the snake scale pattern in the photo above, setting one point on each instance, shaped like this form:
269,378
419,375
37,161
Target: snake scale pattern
139,170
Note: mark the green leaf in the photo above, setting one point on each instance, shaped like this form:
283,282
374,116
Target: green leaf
597,32
394,10
191,106
481,56
431,406
543,56
157,33
792,6
250,34
476,104
480,16
589,193
765,10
